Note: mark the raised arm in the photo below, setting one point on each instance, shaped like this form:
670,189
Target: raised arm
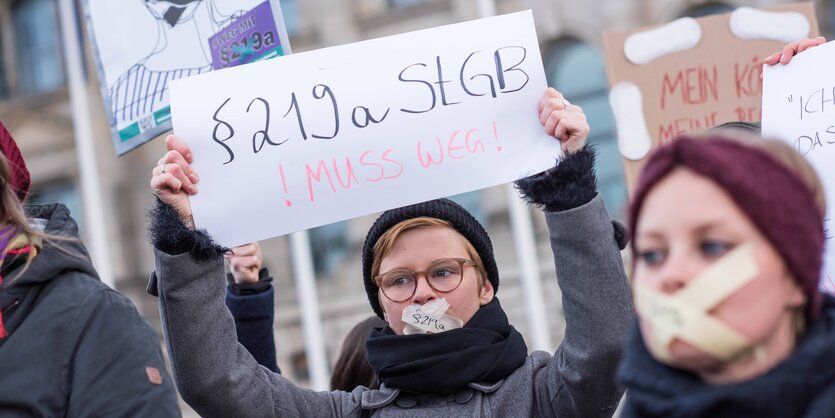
580,379
214,373
249,296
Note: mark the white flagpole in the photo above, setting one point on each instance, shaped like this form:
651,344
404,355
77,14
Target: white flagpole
314,342
94,218
523,239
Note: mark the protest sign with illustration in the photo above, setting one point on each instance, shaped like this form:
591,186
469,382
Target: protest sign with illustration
141,46
693,74
336,133
799,108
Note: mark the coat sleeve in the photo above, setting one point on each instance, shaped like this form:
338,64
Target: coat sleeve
579,380
117,368
214,373
254,312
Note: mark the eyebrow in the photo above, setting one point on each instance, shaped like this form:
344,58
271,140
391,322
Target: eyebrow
700,229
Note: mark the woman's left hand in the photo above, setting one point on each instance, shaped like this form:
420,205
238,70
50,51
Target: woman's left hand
245,263
563,121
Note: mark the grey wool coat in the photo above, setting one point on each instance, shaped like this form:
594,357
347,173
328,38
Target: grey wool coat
219,378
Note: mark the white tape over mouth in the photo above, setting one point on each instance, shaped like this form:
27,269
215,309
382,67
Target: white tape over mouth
679,35
627,103
748,23
429,318
686,313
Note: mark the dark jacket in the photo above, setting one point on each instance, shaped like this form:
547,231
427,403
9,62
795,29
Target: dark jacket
802,386
217,377
75,347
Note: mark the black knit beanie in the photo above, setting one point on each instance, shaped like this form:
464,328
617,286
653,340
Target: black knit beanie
443,209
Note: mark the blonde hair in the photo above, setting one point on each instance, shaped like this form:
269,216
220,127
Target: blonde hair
14,216
386,242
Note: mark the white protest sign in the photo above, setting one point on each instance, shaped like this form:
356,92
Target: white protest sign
336,133
799,107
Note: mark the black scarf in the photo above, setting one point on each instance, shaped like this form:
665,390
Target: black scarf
806,379
487,349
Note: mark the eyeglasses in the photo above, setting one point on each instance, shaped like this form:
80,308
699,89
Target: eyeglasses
444,275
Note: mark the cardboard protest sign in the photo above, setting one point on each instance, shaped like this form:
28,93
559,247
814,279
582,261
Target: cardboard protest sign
798,107
694,74
332,134
140,47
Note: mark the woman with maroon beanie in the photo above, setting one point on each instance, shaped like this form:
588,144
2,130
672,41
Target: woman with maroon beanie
728,243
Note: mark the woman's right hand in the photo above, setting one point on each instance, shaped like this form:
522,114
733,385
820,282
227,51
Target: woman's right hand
792,49
173,179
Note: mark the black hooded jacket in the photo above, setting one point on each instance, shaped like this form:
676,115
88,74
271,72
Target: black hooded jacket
75,347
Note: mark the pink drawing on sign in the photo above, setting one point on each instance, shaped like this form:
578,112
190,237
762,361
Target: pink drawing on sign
475,145
496,135
287,202
451,148
431,159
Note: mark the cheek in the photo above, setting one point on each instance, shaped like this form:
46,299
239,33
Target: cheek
650,276
464,301
394,313
756,308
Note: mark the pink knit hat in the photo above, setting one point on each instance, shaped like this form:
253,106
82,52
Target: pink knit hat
778,201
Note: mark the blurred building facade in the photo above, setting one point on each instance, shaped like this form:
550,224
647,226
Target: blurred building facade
35,107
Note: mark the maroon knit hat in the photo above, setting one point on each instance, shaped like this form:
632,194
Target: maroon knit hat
19,180
774,197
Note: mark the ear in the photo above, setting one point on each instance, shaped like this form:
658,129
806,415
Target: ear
485,295
795,297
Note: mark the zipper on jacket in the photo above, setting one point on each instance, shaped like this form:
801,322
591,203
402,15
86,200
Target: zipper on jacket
12,305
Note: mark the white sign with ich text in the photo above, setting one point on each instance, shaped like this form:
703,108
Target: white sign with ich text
799,108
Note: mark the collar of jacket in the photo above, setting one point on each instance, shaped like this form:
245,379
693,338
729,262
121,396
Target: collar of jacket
376,399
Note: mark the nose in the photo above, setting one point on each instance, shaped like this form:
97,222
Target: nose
679,270
423,292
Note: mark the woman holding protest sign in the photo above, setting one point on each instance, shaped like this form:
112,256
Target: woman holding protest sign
433,260
728,251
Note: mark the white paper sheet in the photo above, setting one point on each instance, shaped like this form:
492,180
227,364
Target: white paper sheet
431,139
799,107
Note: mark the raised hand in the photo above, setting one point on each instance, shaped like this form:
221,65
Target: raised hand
563,120
245,262
792,49
173,179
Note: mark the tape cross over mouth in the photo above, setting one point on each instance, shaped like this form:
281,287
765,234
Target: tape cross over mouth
430,317
684,315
